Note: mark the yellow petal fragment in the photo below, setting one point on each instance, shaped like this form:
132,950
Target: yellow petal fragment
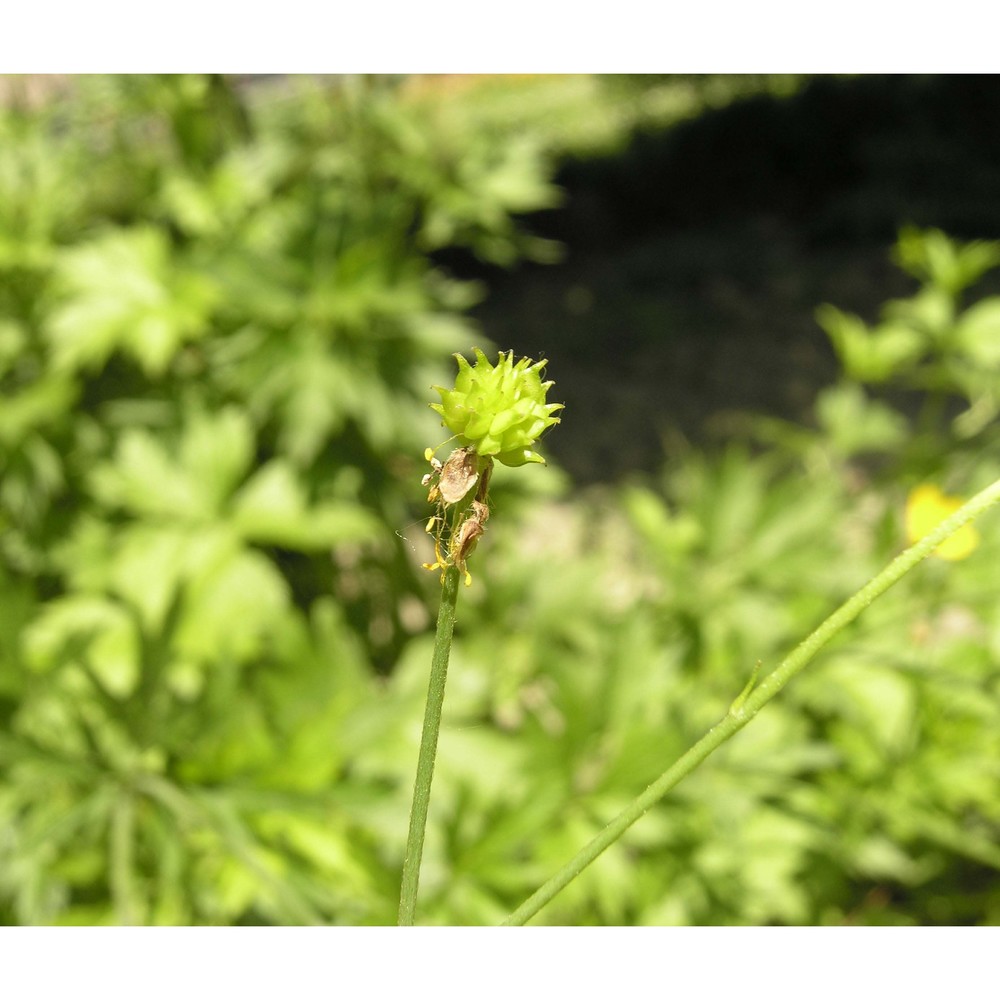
926,508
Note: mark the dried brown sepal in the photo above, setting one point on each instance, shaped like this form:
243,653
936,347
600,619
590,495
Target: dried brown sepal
468,534
450,484
458,475
484,482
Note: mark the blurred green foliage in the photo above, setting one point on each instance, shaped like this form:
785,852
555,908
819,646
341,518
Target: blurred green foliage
219,323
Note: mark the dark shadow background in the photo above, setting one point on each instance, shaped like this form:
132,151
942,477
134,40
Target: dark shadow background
695,260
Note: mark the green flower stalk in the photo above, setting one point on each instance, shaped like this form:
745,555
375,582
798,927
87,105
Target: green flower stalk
495,412
500,410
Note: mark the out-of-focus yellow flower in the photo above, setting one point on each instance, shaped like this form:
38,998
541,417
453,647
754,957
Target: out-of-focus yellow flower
926,508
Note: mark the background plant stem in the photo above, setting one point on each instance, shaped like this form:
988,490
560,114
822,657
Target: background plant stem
745,708
428,748
122,860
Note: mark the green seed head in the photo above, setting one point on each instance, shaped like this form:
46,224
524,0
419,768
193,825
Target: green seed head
498,410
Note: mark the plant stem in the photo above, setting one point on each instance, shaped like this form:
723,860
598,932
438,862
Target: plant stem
749,704
121,851
428,747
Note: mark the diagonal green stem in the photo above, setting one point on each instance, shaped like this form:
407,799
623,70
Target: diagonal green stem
748,704
428,748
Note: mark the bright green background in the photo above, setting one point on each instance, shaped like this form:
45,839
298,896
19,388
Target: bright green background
222,306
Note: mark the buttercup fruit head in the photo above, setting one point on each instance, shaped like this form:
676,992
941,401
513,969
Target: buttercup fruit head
498,410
